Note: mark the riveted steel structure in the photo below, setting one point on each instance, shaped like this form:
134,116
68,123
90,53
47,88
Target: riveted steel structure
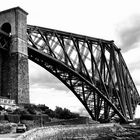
93,69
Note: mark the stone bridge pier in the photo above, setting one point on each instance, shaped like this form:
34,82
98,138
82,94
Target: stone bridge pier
14,78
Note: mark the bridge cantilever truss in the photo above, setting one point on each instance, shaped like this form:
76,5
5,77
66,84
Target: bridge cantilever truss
93,69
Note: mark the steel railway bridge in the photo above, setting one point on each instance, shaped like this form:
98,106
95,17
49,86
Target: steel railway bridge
92,68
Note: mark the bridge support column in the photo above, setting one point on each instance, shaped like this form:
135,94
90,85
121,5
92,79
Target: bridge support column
14,63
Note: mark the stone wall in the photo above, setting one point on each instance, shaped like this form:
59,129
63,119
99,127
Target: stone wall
5,74
14,63
18,81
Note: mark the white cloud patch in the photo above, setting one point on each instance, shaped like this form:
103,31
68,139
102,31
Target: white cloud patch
43,79
52,98
132,59
136,76
129,33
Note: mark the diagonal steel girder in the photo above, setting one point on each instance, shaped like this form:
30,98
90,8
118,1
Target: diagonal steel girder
4,40
93,69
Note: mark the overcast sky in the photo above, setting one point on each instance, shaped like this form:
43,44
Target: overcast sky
117,20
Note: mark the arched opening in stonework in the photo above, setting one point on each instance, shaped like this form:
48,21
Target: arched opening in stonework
6,27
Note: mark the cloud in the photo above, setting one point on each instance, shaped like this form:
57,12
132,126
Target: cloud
136,76
132,60
129,33
132,57
42,78
52,98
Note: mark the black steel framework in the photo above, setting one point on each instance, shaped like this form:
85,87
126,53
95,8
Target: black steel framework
93,69
4,40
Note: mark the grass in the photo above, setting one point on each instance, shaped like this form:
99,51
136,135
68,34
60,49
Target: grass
77,132
81,132
5,128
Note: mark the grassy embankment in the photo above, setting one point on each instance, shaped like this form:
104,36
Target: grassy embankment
81,132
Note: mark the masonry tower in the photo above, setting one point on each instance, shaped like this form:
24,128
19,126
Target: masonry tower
14,78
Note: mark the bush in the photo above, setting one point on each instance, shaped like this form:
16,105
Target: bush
20,111
12,118
2,117
64,113
5,128
27,117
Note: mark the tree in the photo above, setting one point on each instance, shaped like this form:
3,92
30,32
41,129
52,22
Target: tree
32,108
20,111
50,113
43,107
58,112
64,113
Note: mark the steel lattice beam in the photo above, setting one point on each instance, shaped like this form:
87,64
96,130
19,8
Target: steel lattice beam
93,69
